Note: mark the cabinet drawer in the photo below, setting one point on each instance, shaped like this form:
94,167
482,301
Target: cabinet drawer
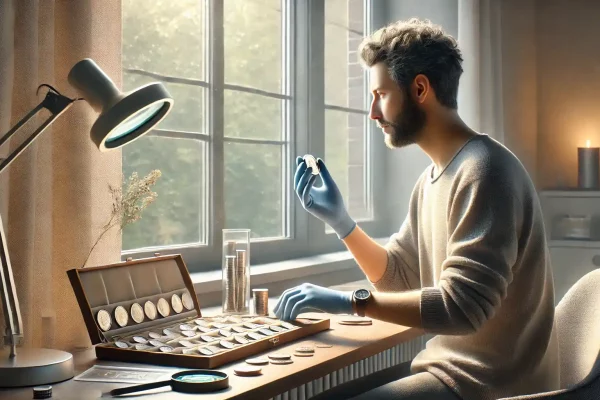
569,264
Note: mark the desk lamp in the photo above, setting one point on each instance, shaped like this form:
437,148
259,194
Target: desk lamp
123,118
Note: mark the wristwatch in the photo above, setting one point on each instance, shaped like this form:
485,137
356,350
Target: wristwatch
360,298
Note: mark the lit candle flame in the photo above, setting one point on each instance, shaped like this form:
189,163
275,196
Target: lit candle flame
587,143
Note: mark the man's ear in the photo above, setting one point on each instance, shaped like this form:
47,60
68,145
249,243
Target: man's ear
421,88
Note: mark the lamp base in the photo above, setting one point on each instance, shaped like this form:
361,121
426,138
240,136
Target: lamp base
32,367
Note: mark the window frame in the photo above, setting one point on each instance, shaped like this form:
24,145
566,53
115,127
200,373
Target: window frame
304,124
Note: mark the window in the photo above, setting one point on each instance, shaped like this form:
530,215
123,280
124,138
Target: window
255,83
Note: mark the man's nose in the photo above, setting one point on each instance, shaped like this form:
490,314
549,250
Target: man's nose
374,112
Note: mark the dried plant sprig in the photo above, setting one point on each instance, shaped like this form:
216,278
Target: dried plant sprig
128,207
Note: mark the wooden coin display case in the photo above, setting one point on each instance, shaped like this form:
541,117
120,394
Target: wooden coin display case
182,339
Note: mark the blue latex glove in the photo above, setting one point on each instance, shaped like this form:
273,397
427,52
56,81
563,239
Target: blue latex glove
308,297
325,202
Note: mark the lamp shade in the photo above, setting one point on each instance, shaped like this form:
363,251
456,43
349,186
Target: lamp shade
123,117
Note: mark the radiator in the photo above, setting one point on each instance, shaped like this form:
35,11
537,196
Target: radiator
388,358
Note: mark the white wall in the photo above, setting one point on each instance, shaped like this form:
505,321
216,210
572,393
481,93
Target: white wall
403,166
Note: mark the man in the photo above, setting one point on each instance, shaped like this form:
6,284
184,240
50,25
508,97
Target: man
470,263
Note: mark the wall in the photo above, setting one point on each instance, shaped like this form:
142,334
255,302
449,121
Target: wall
568,85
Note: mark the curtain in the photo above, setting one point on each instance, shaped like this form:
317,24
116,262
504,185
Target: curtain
498,90
55,196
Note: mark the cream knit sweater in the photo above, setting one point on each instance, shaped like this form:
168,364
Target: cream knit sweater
474,242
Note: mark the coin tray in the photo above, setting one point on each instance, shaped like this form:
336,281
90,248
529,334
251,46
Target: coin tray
185,339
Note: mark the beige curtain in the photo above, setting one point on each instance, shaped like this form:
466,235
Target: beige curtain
55,196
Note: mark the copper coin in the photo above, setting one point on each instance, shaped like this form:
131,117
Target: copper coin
247,370
139,339
187,301
150,310
225,333
176,303
255,335
279,356
163,307
281,362
122,345
137,313
258,361
205,351
227,344
104,320
121,316
240,339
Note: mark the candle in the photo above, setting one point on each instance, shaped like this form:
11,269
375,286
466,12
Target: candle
588,161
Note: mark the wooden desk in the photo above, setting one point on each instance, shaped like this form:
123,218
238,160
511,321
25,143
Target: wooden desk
350,345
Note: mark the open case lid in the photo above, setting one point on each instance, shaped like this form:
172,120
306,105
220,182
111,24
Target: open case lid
129,282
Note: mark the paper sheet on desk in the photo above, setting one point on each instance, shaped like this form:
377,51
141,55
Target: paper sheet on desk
104,373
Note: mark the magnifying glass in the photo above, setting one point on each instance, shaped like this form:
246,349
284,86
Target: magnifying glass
192,381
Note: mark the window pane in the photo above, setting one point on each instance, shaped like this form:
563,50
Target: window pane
188,112
344,76
346,159
252,116
253,188
176,215
253,43
165,37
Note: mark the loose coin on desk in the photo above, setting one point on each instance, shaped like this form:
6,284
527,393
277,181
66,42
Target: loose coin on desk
258,361
121,316
104,320
305,349
187,301
150,310
356,321
281,362
323,346
163,307
137,313
247,370
279,356
299,354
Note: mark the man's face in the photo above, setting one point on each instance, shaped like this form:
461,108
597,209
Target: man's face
396,113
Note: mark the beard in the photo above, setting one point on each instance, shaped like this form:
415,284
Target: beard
407,126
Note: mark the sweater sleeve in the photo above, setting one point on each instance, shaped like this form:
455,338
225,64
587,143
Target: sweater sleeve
402,269
484,221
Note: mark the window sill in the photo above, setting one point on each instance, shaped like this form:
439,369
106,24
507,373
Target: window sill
210,282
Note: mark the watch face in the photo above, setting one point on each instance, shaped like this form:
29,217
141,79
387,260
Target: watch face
362,294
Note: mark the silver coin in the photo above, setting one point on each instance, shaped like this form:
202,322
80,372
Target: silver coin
238,329
166,349
279,356
139,339
277,328
176,303
163,307
225,333
204,329
104,320
154,335
150,310
305,349
218,325
208,338
201,322
121,316
169,332
205,351
186,343
122,345
281,362
287,325
188,333
156,343
227,344
258,361
266,331
137,313
187,301
300,354
215,349
311,162
186,327
323,346
250,325
142,347
255,335
240,339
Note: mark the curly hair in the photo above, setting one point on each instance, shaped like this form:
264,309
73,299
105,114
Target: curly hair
413,47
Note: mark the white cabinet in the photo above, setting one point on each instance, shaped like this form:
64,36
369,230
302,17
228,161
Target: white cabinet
571,258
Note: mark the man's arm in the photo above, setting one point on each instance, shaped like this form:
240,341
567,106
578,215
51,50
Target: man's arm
371,256
398,308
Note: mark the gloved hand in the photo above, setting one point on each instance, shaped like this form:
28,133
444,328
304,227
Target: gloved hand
308,297
325,202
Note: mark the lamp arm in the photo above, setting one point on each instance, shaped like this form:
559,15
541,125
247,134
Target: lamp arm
56,104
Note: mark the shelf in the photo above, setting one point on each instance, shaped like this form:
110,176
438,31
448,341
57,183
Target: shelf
569,193
587,244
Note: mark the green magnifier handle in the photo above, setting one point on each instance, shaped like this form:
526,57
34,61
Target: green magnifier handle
139,388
